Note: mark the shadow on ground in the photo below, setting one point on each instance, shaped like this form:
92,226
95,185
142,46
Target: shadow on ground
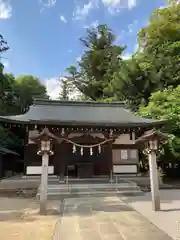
86,207
169,200
26,210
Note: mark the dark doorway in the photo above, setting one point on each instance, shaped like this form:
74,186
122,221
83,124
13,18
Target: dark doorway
94,165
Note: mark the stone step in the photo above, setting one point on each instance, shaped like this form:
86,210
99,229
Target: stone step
108,189
39,177
93,186
58,195
89,191
76,192
57,191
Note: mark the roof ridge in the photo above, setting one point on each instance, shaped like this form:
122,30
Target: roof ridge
76,102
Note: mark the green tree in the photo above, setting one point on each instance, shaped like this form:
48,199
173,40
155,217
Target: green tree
171,2
160,42
133,82
8,139
18,95
3,44
65,91
3,48
156,65
26,88
166,105
100,60
9,105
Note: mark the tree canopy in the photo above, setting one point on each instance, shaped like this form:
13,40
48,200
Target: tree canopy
160,42
166,105
102,73
16,94
19,93
100,60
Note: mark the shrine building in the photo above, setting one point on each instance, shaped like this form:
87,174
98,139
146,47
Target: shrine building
91,139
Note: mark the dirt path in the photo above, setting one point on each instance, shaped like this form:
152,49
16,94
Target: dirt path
20,220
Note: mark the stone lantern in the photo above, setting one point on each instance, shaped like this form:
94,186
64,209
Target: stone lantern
44,140
45,146
151,140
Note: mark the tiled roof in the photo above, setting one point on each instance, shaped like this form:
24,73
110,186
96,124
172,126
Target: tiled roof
79,113
4,150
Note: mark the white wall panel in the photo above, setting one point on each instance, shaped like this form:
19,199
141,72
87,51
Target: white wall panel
38,170
124,168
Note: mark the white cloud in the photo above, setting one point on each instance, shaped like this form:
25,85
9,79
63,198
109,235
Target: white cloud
53,87
126,56
133,26
78,59
131,4
47,4
129,55
120,36
95,24
111,2
163,6
115,6
5,9
92,25
82,12
130,30
6,64
63,19
136,47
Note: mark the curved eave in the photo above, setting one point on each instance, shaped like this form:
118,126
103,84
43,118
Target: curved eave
6,151
2,153
14,119
120,124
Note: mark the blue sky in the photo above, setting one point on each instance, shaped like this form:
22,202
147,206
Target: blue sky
43,35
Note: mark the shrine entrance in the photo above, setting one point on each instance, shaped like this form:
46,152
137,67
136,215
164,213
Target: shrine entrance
83,162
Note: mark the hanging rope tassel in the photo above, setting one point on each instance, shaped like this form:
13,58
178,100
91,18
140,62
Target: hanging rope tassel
74,148
111,133
81,151
62,132
91,151
99,148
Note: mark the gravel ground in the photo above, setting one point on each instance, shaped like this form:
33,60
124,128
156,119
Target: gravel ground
20,219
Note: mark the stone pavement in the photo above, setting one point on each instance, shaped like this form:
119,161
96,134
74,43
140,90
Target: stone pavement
104,218
168,219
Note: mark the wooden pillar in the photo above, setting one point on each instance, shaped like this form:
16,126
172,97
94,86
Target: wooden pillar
62,169
110,163
44,184
1,166
154,181
26,139
62,159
